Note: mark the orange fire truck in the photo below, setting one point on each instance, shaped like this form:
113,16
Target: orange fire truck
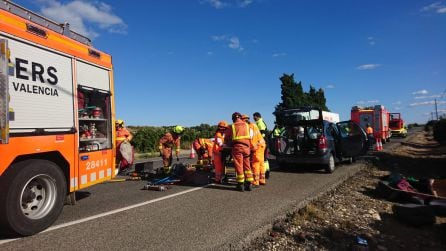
56,118
378,118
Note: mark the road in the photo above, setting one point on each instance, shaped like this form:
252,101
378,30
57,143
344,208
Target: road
120,215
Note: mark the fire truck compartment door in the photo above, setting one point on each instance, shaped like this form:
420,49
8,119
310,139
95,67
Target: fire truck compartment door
40,88
92,76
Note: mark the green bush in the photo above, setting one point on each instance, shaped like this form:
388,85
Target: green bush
146,138
440,131
428,127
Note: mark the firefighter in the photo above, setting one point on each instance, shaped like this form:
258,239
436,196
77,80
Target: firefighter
203,147
260,123
370,137
238,137
263,130
166,143
122,135
217,150
257,153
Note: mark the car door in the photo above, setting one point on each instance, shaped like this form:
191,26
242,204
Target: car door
352,139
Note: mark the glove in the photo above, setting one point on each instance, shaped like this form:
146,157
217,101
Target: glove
161,154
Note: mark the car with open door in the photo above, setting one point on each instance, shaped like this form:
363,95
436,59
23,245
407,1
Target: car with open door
307,138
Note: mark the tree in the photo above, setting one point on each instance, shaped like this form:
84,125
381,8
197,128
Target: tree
293,95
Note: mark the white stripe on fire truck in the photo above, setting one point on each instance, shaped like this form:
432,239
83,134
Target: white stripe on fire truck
108,172
92,177
84,179
101,174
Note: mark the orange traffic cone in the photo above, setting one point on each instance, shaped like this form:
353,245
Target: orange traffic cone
192,152
376,148
380,145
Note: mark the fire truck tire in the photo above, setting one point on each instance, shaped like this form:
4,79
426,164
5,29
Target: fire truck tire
32,195
330,166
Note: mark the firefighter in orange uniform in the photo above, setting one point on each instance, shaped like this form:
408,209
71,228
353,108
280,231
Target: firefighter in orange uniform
371,138
203,147
257,153
238,137
122,134
217,150
166,143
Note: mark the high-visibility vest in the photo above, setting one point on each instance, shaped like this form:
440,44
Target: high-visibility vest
236,137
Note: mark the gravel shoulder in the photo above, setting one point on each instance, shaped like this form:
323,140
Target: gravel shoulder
355,209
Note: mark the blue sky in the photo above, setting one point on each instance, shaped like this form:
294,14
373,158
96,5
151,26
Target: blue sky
197,61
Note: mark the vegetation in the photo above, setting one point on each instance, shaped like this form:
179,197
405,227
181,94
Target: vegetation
293,95
439,130
146,138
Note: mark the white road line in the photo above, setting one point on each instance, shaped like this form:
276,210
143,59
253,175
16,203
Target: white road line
67,224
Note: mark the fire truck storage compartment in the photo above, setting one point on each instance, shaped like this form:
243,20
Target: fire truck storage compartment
94,119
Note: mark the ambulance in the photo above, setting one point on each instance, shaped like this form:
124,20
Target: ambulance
56,118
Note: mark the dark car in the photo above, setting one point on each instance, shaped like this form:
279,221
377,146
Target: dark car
306,138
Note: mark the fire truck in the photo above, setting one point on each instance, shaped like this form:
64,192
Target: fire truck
56,118
378,118
397,126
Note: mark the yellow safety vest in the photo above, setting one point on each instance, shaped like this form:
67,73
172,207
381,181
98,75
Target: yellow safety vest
239,137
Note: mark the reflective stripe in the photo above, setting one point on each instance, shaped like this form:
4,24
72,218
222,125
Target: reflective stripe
120,138
238,137
240,178
250,179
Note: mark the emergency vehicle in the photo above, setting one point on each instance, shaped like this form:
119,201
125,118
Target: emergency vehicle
397,126
56,118
378,118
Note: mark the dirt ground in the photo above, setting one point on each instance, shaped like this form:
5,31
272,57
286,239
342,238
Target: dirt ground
355,209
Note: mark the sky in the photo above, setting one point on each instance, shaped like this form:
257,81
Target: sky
192,62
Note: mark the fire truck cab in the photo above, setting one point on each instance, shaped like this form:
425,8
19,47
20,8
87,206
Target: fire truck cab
56,118
397,126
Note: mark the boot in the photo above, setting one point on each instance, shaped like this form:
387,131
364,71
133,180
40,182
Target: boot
248,186
240,187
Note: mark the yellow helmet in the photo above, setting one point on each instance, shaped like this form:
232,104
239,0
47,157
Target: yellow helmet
178,129
119,122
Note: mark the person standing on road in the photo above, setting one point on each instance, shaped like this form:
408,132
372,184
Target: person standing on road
257,153
166,144
217,150
238,137
123,136
263,130
370,137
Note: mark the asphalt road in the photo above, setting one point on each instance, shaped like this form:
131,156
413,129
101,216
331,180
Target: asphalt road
120,215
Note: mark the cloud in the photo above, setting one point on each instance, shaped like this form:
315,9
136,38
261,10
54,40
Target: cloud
221,4
209,53
84,17
233,42
330,86
368,102
427,103
436,7
279,54
420,92
218,38
371,41
424,97
397,103
368,66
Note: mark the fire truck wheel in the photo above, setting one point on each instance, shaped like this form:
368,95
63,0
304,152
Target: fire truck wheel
330,166
31,196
